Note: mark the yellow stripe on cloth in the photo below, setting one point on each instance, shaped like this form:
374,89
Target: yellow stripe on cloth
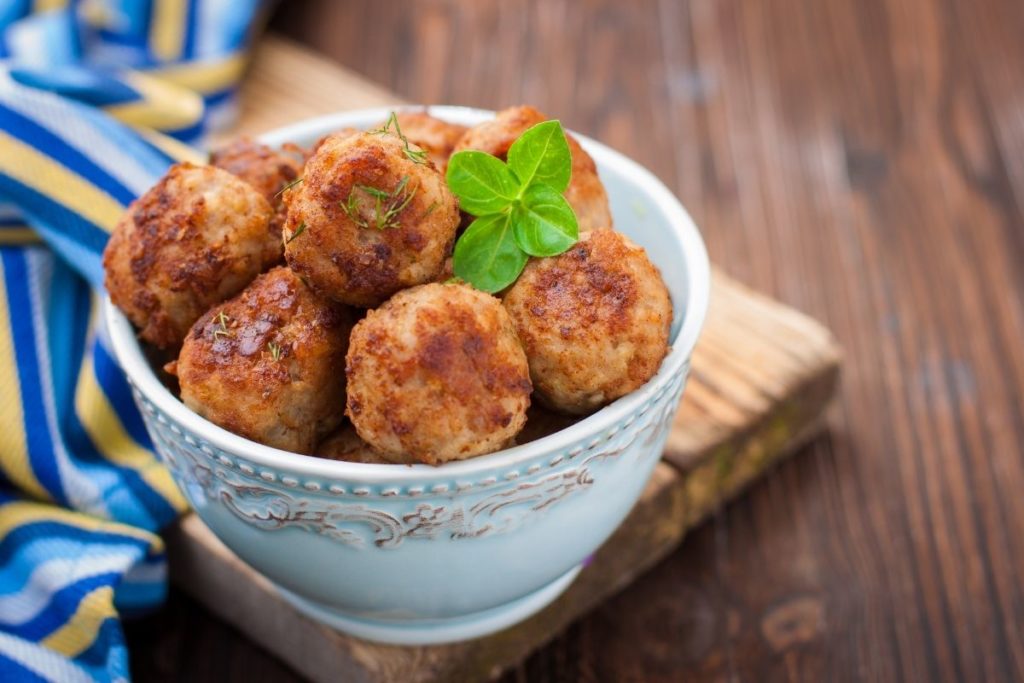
19,513
49,5
167,29
14,461
79,632
165,106
29,167
18,237
112,439
175,149
208,76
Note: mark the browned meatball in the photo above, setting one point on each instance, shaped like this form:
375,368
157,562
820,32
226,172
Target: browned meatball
269,364
267,170
345,444
197,237
585,193
594,321
435,136
340,134
368,220
437,374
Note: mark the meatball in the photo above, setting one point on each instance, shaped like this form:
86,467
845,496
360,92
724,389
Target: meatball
341,134
345,444
196,238
269,364
434,136
268,171
437,374
369,219
594,321
586,193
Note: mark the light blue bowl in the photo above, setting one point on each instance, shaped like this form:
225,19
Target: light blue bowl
417,555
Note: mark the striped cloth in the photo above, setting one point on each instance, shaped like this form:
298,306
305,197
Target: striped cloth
97,98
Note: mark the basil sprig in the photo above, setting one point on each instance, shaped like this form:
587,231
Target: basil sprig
519,207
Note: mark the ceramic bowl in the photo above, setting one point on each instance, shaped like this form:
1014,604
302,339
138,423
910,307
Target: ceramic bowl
421,554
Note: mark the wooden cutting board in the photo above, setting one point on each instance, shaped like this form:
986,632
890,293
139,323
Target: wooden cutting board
762,376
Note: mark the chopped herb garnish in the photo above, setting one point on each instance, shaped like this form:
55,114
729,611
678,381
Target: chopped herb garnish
289,186
418,156
387,206
374,192
298,231
430,209
275,351
222,320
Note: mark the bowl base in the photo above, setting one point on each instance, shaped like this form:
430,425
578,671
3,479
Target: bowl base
435,631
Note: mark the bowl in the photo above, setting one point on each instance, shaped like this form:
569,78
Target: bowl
420,554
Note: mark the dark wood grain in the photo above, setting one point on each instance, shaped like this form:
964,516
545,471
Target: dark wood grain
862,161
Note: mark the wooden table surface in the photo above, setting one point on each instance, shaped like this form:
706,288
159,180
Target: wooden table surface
862,161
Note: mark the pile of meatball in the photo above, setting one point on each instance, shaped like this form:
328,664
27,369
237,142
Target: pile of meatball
307,301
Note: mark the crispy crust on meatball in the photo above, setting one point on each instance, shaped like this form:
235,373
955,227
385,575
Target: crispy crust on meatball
196,238
269,364
368,221
268,171
585,193
594,321
339,134
436,137
345,444
437,374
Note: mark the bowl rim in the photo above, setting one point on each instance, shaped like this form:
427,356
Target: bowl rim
133,361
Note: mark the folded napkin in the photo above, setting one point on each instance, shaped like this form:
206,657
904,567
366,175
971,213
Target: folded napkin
97,98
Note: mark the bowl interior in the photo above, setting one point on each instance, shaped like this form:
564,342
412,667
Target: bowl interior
642,208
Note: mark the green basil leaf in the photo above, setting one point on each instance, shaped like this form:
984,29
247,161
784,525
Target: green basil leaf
544,223
483,183
486,256
541,155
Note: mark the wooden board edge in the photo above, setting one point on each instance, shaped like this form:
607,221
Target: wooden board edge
725,471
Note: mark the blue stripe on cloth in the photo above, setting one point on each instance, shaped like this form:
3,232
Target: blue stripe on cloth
155,509
53,219
62,606
78,83
88,262
25,534
40,444
11,11
59,150
112,146
45,39
68,311
115,386
36,659
107,652
217,98
188,48
153,161
190,134
11,670
37,549
124,491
